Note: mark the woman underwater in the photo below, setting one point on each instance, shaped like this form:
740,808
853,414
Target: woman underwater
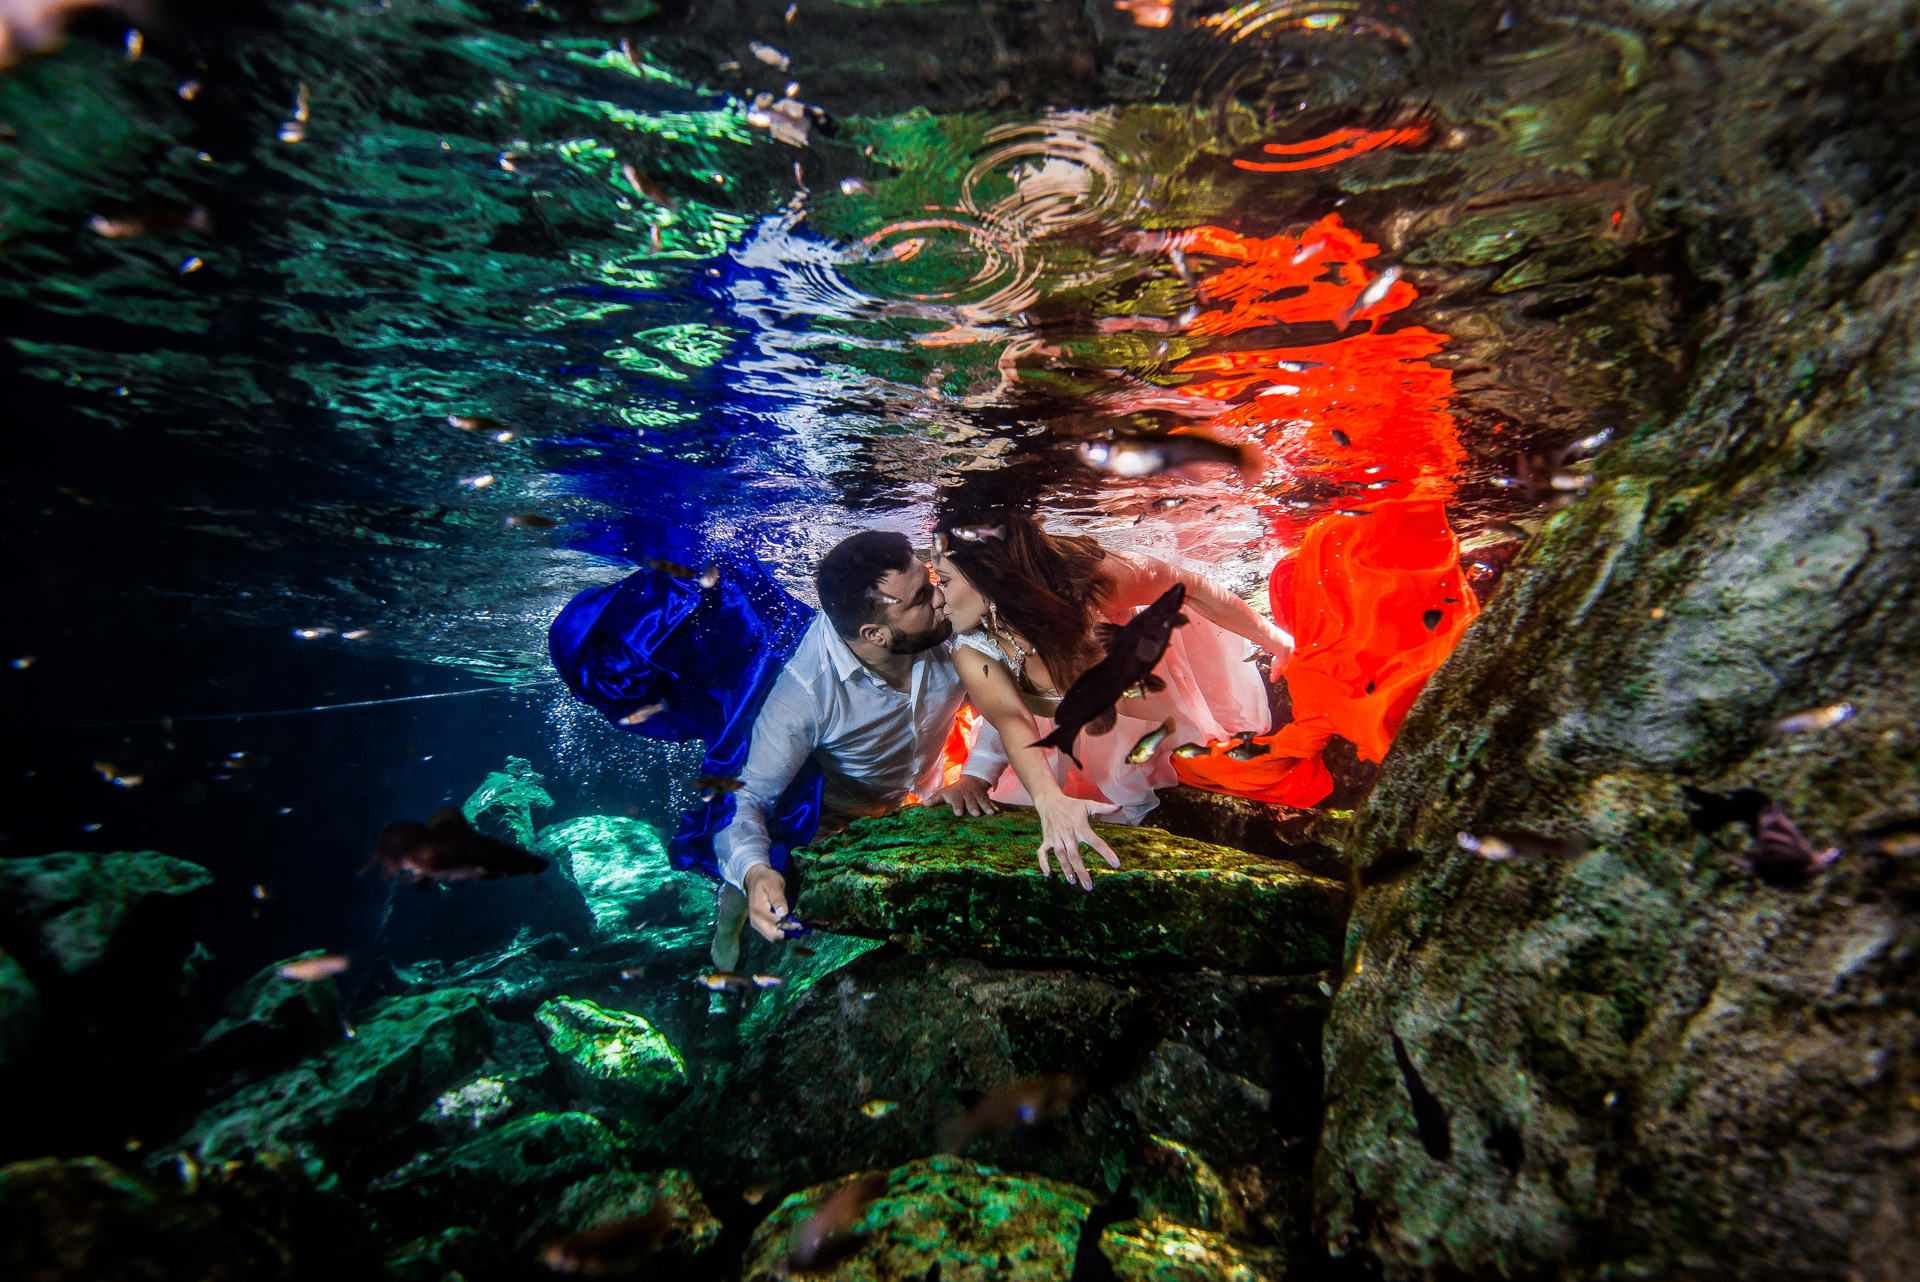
1025,607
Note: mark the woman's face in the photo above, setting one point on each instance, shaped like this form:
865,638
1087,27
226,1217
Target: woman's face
965,606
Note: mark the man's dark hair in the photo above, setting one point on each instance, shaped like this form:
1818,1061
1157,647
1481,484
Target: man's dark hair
848,577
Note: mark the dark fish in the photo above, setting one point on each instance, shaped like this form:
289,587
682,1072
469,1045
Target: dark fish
446,848
1431,619
1151,453
674,568
646,186
823,1238
1090,1263
1517,843
611,1249
712,786
530,521
1429,1114
1024,1101
1188,751
1132,653
1709,812
1784,856
1248,750
1341,439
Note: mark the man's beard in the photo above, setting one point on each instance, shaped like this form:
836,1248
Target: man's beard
915,642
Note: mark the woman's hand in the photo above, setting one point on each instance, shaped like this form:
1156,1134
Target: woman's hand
1066,822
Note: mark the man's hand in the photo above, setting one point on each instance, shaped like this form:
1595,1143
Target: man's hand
766,892
967,795
1065,822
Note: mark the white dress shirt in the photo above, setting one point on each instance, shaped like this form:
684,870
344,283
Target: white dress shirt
874,743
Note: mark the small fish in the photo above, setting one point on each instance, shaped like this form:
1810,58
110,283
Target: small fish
191,263
769,55
1143,749
619,1247
1146,13
188,90
1188,751
1430,1118
22,663
1179,260
529,521
446,848
262,892
709,578
795,929
358,634
1168,504
312,634
1341,439
712,786
1133,651
1783,856
1814,719
1588,445
1025,1101
877,1108
1152,453
1900,839
116,776
825,1236
478,482
640,715
804,951
979,533
646,186
631,973
475,423
792,11
1375,291
136,43
1307,251
1248,750
1519,844
1709,812
768,981
134,226
1351,511
674,568
756,1192
307,970
722,981
853,187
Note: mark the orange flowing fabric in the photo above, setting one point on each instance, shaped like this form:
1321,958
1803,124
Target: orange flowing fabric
1376,600
1376,603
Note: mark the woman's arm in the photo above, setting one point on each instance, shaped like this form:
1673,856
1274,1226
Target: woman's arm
1064,821
1140,580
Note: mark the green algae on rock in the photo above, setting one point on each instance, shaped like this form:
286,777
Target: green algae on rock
618,1195
1161,1250
71,902
503,1176
612,1056
331,1108
510,796
975,1221
971,886
19,1011
621,868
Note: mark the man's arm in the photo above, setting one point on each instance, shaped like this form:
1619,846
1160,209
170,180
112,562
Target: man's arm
986,758
786,731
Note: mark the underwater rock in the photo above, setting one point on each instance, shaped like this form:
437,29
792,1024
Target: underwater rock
1160,1250
636,896
269,1022
1310,839
612,1057
68,905
971,1219
618,1195
470,918
84,1220
19,1011
458,1252
971,886
509,797
513,981
1174,1183
348,1105
1646,1060
933,1034
505,1176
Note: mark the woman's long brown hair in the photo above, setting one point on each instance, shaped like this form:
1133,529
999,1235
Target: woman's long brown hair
1046,587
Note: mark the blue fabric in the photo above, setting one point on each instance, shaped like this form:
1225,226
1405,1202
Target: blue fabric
711,656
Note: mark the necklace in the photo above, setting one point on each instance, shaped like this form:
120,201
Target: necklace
1018,660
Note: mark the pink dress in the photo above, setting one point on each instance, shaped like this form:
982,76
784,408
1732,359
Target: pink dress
1211,693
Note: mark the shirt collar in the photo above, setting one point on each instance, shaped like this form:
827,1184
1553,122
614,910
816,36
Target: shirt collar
847,665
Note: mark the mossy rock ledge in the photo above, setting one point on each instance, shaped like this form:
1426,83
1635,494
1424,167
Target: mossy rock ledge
971,886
